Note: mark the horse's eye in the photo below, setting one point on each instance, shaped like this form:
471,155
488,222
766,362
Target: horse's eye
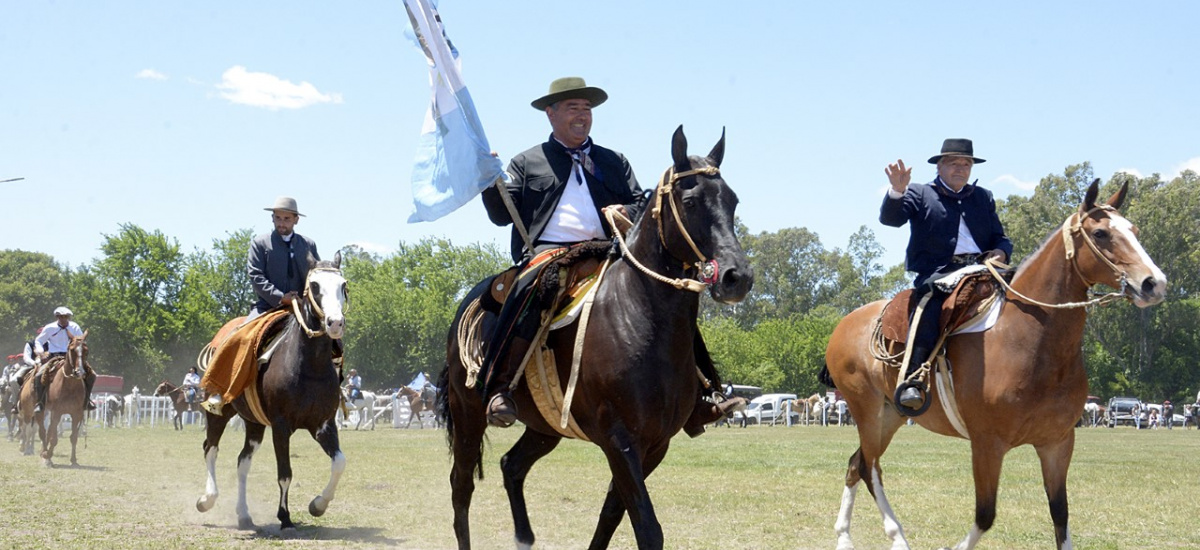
314,289
689,202
1099,233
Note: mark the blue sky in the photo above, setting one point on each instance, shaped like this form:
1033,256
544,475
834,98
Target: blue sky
191,117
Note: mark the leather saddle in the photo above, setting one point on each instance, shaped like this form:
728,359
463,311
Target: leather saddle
562,274
971,297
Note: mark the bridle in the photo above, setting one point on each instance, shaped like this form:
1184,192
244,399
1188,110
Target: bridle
708,268
316,308
1072,226
69,358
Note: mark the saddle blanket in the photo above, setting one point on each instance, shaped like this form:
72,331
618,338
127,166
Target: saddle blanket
234,365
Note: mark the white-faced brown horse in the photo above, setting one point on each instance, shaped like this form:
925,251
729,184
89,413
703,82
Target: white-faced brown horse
637,381
179,400
298,390
1022,382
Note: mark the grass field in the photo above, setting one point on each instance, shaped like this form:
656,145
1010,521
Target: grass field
761,487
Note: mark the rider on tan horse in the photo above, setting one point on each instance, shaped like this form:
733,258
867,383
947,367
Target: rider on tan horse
54,338
952,225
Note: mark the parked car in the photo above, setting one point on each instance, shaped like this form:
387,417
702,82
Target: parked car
1120,409
767,409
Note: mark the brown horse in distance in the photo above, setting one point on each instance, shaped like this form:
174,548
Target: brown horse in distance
417,403
178,400
637,381
1022,382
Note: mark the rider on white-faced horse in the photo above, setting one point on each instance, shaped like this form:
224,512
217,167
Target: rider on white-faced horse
278,265
54,338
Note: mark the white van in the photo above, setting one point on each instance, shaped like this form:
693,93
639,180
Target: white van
768,408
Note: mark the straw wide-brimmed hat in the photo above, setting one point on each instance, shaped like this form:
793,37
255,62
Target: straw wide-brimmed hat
285,203
571,87
956,147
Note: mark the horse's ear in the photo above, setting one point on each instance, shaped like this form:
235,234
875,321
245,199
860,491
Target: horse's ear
679,150
1118,198
1089,200
337,260
84,337
718,151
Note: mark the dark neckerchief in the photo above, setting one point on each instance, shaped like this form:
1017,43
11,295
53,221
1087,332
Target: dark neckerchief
945,190
582,153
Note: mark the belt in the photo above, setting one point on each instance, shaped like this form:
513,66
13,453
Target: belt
964,259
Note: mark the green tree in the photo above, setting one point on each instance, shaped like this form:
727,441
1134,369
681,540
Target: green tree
216,288
402,306
127,301
31,285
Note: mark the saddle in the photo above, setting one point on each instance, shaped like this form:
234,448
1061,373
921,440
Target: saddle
238,346
569,268
56,363
971,297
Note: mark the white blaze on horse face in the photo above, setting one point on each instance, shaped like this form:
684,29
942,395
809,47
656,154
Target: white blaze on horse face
332,299
1158,292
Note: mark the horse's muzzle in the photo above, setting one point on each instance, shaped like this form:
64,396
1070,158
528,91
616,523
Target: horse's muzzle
335,326
733,283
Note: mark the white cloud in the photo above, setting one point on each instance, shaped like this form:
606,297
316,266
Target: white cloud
372,248
1131,171
269,91
150,74
1009,179
1192,164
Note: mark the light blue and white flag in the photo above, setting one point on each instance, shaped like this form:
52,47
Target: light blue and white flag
454,162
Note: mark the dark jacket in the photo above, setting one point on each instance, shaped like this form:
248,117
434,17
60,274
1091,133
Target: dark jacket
933,217
539,175
268,267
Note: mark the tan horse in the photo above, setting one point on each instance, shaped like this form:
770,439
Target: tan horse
1022,382
65,397
809,407
27,419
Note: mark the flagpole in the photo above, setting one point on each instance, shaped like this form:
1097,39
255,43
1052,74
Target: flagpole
512,212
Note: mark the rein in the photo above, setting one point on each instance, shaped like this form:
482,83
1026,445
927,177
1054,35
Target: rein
708,268
313,302
1068,230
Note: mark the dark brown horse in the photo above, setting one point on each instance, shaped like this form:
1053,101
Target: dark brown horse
418,402
637,382
298,390
179,400
1022,382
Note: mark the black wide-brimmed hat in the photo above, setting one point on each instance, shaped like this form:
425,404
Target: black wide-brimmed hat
956,147
571,87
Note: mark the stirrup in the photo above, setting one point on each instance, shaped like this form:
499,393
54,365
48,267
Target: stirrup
501,411
909,411
213,405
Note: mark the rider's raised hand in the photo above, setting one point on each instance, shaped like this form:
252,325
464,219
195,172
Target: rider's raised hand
898,175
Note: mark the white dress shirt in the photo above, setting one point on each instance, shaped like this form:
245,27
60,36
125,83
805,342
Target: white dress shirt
57,336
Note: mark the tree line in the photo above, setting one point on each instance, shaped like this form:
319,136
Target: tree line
150,306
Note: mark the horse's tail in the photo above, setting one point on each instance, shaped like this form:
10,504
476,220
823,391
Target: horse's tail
442,405
824,377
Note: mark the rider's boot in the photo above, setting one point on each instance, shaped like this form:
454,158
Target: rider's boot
89,381
501,410
214,403
707,412
40,390
914,395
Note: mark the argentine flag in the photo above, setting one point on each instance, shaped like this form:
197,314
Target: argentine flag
454,162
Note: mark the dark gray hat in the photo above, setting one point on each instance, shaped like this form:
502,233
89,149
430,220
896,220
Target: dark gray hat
956,147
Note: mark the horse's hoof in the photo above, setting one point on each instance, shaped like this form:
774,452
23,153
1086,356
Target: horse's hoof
205,503
317,507
246,524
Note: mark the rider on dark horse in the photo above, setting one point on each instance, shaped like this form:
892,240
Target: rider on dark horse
191,386
952,225
559,190
53,339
